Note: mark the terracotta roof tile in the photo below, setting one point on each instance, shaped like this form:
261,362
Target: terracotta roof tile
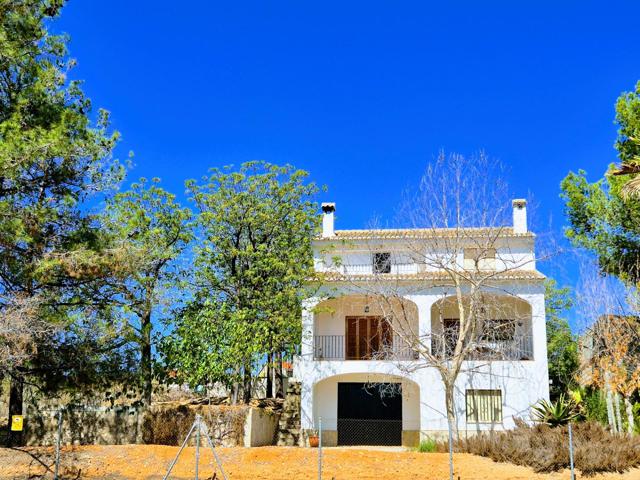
412,233
363,277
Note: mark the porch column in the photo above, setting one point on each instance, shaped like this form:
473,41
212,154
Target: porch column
306,348
424,303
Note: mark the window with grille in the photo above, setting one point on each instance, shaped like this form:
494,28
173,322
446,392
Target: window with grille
382,262
484,406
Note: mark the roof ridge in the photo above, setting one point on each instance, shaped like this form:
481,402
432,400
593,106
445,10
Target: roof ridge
504,231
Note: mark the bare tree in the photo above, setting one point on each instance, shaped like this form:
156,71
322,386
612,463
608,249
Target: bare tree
460,241
20,329
610,344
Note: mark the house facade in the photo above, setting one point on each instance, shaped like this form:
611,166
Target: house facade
379,324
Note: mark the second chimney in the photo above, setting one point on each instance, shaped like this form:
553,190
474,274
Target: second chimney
328,210
519,215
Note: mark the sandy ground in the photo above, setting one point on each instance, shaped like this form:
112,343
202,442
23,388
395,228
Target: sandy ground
272,463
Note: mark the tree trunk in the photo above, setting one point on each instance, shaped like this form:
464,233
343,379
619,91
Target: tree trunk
145,358
449,391
246,385
279,377
234,393
630,419
16,391
269,389
616,400
610,410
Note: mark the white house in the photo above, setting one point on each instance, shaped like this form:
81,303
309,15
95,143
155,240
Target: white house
367,384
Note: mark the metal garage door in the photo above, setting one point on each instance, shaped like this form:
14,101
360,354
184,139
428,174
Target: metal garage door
369,414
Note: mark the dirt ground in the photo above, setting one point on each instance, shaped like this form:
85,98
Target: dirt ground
272,463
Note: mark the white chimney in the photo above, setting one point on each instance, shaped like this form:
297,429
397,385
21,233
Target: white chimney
519,215
328,210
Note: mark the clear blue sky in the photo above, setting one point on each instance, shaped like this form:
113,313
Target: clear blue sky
361,94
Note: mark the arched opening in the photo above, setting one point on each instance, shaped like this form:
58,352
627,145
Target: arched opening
364,327
367,409
503,327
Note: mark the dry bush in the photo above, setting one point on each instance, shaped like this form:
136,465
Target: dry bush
170,424
546,449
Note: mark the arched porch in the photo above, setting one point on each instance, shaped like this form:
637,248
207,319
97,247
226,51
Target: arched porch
364,327
503,327
367,409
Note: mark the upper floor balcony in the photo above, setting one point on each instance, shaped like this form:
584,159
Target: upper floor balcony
371,268
336,347
511,264
366,328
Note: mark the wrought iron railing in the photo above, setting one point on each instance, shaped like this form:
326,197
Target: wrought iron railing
368,269
520,347
332,347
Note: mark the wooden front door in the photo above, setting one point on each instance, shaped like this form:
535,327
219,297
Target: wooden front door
367,337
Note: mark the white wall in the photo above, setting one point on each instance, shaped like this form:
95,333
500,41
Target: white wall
511,253
523,382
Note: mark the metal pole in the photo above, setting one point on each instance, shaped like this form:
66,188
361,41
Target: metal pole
206,434
450,450
198,420
55,473
573,474
173,464
319,448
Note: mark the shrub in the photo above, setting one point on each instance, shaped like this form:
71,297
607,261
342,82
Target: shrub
560,412
546,449
169,424
595,406
428,445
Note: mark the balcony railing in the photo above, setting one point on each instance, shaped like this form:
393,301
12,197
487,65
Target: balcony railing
332,347
518,348
367,269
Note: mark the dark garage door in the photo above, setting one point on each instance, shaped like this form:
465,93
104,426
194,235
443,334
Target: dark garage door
369,415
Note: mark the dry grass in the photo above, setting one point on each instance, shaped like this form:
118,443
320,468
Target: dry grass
546,449
170,424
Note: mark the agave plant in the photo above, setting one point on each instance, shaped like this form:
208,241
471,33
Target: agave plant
557,413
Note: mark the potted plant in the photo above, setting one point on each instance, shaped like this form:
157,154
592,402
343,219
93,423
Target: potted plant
314,439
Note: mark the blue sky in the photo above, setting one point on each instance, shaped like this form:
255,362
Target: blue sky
361,94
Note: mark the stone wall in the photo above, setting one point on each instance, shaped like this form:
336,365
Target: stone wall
289,433
164,424
83,427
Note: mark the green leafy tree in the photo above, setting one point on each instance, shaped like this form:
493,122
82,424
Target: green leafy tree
52,158
605,222
603,217
251,267
628,142
148,232
562,346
